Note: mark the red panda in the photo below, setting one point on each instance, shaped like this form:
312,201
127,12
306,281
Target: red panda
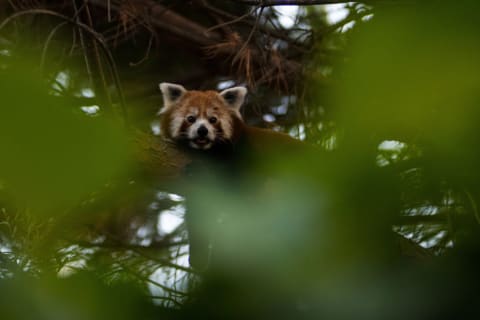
209,125
211,121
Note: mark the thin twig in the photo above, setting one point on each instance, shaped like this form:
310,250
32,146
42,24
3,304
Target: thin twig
473,204
98,61
147,52
262,28
227,23
76,17
146,279
245,44
47,42
109,11
91,32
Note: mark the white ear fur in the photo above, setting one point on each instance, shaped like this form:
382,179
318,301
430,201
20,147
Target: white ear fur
171,93
234,96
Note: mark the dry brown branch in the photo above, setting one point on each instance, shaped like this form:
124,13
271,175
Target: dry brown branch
158,159
92,33
243,56
166,19
264,29
243,53
47,42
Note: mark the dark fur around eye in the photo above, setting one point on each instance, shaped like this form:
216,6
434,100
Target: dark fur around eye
212,120
191,119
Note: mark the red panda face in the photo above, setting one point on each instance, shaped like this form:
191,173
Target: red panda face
200,118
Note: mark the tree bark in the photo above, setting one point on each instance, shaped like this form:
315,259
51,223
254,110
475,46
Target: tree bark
158,160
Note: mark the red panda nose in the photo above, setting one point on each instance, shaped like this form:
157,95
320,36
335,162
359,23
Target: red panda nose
202,131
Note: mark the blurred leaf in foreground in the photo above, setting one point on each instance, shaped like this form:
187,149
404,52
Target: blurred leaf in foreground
79,297
323,250
51,158
414,76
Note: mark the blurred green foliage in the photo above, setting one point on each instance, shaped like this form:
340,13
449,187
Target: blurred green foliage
53,157
408,79
316,233
80,297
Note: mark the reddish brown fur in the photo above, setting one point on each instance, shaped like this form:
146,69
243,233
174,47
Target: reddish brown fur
203,101
256,139
247,149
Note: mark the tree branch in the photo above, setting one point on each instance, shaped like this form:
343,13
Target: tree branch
164,18
91,32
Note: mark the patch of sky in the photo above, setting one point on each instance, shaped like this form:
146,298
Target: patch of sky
169,220
269,118
348,26
282,108
76,257
170,283
330,143
87,93
390,151
433,241
336,12
62,80
71,267
225,84
162,195
90,110
155,127
298,132
392,145
367,17
144,232
426,210
419,232
288,18
287,15
4,248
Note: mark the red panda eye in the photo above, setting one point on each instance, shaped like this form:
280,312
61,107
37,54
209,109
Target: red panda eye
191,119
212,120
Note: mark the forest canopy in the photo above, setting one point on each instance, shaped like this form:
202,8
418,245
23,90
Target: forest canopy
375,216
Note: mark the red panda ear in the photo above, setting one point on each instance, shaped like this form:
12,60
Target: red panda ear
234,97
171,93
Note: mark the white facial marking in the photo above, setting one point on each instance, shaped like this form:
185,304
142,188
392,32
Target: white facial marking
192,131
193,111
227,128
162,110
176,124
